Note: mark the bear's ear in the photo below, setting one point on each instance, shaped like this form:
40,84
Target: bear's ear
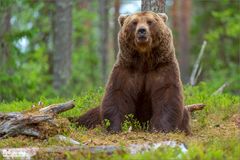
121,19
163,16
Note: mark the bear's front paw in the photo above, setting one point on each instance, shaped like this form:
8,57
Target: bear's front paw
162,129
156,130
114,129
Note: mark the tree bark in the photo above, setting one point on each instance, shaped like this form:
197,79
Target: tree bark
104,29
174,14
5,25
183,38
62,36
116,26
157,6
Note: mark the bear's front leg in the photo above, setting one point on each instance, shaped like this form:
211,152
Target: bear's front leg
118,99
116,105
167,107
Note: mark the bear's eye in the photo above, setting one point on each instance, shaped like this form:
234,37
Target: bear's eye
134,23
149,22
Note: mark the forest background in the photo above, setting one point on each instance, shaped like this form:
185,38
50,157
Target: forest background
65,48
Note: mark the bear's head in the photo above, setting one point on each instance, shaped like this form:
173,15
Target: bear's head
143,31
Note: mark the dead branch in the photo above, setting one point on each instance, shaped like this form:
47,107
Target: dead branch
58,108
195,107
196,69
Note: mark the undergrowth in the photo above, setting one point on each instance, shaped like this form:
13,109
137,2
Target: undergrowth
215,133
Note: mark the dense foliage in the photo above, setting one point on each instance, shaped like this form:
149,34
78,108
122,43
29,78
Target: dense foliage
27,74
219,24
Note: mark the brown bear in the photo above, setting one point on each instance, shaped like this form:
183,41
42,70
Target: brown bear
145,80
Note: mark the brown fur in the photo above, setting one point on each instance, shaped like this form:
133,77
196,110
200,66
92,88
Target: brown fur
145,80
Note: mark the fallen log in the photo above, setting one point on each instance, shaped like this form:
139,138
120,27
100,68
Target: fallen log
37,122
28,153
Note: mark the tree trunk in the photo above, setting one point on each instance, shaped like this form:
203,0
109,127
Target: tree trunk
183,38
175,24
104,29
116,26
157,6
62,36
5,25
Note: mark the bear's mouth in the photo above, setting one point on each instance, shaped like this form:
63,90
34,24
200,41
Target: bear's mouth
142,39
142,42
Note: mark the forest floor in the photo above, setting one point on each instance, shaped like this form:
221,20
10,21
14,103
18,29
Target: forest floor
215,130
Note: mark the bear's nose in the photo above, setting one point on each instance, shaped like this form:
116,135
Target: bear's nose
142,31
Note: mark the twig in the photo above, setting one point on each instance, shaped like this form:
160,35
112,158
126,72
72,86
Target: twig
220,89
196,70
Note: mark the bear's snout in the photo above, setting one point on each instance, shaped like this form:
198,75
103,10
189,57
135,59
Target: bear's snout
142,31
142,35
